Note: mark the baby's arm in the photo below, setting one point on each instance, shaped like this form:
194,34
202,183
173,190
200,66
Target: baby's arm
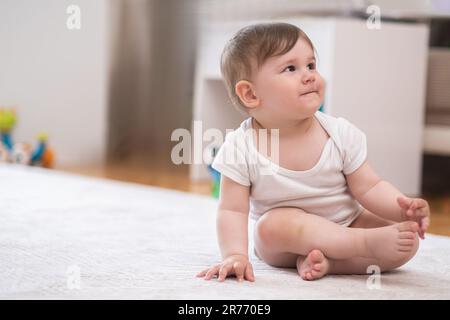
232,218
232,232
383,199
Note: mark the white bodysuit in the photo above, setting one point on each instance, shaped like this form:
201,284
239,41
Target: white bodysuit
321,190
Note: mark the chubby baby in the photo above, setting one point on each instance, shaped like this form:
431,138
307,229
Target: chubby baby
301,175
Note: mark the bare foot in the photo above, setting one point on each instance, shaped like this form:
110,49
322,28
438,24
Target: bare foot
314,266
392,243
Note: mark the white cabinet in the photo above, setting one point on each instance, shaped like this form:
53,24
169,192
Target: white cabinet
376,78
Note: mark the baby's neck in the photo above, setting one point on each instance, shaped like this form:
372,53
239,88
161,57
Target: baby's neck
286,129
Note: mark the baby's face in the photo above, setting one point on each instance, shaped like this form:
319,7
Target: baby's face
289,86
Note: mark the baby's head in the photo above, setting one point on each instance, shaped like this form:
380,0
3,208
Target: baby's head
270,72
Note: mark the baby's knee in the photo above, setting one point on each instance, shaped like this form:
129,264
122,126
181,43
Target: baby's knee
266,229
273,227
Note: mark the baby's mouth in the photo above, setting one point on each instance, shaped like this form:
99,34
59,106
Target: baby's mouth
306,93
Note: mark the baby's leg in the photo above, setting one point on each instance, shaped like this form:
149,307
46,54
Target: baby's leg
287,232
292,230
358,265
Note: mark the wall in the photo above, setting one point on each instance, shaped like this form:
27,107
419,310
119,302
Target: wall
56,77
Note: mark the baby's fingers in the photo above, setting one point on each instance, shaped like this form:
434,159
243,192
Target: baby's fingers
239,270
249,275
403,202
419,207
421,234
425,223
202,273
424,226
212,272
224,270
421,203
413,209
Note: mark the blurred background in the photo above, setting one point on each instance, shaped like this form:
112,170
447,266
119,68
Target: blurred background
110,88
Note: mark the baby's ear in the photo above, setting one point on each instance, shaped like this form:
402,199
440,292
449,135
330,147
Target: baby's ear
244,90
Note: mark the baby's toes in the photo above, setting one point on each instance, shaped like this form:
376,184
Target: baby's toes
406,242
317,267
316,256
316,274
406,245
407,235
408,226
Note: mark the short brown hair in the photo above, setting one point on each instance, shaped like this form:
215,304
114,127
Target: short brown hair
255,43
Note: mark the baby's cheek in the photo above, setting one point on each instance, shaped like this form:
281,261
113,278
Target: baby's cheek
321,87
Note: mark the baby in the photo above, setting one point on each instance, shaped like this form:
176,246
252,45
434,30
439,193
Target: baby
320,207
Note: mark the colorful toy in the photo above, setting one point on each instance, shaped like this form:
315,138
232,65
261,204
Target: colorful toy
215,175
7,122
20,152
215,184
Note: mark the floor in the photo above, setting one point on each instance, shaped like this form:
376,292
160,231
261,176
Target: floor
75,237
177,177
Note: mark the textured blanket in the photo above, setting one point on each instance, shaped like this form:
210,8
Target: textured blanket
64,236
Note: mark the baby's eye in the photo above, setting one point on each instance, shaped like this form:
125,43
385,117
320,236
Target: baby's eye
290,68
312,66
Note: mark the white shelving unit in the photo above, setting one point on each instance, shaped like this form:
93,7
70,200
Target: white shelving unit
437,128
375,79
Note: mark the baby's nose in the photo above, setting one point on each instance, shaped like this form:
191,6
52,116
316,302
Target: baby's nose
308,77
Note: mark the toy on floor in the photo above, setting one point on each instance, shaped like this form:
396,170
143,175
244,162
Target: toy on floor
215,184
215,175
20,152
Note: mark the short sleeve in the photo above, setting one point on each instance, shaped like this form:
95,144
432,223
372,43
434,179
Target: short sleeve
231,161
354,146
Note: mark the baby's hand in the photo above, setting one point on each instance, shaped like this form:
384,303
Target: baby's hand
416,210
235,264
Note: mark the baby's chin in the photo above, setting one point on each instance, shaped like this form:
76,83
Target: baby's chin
310,106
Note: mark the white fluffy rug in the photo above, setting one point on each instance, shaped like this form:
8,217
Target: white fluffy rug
65,236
